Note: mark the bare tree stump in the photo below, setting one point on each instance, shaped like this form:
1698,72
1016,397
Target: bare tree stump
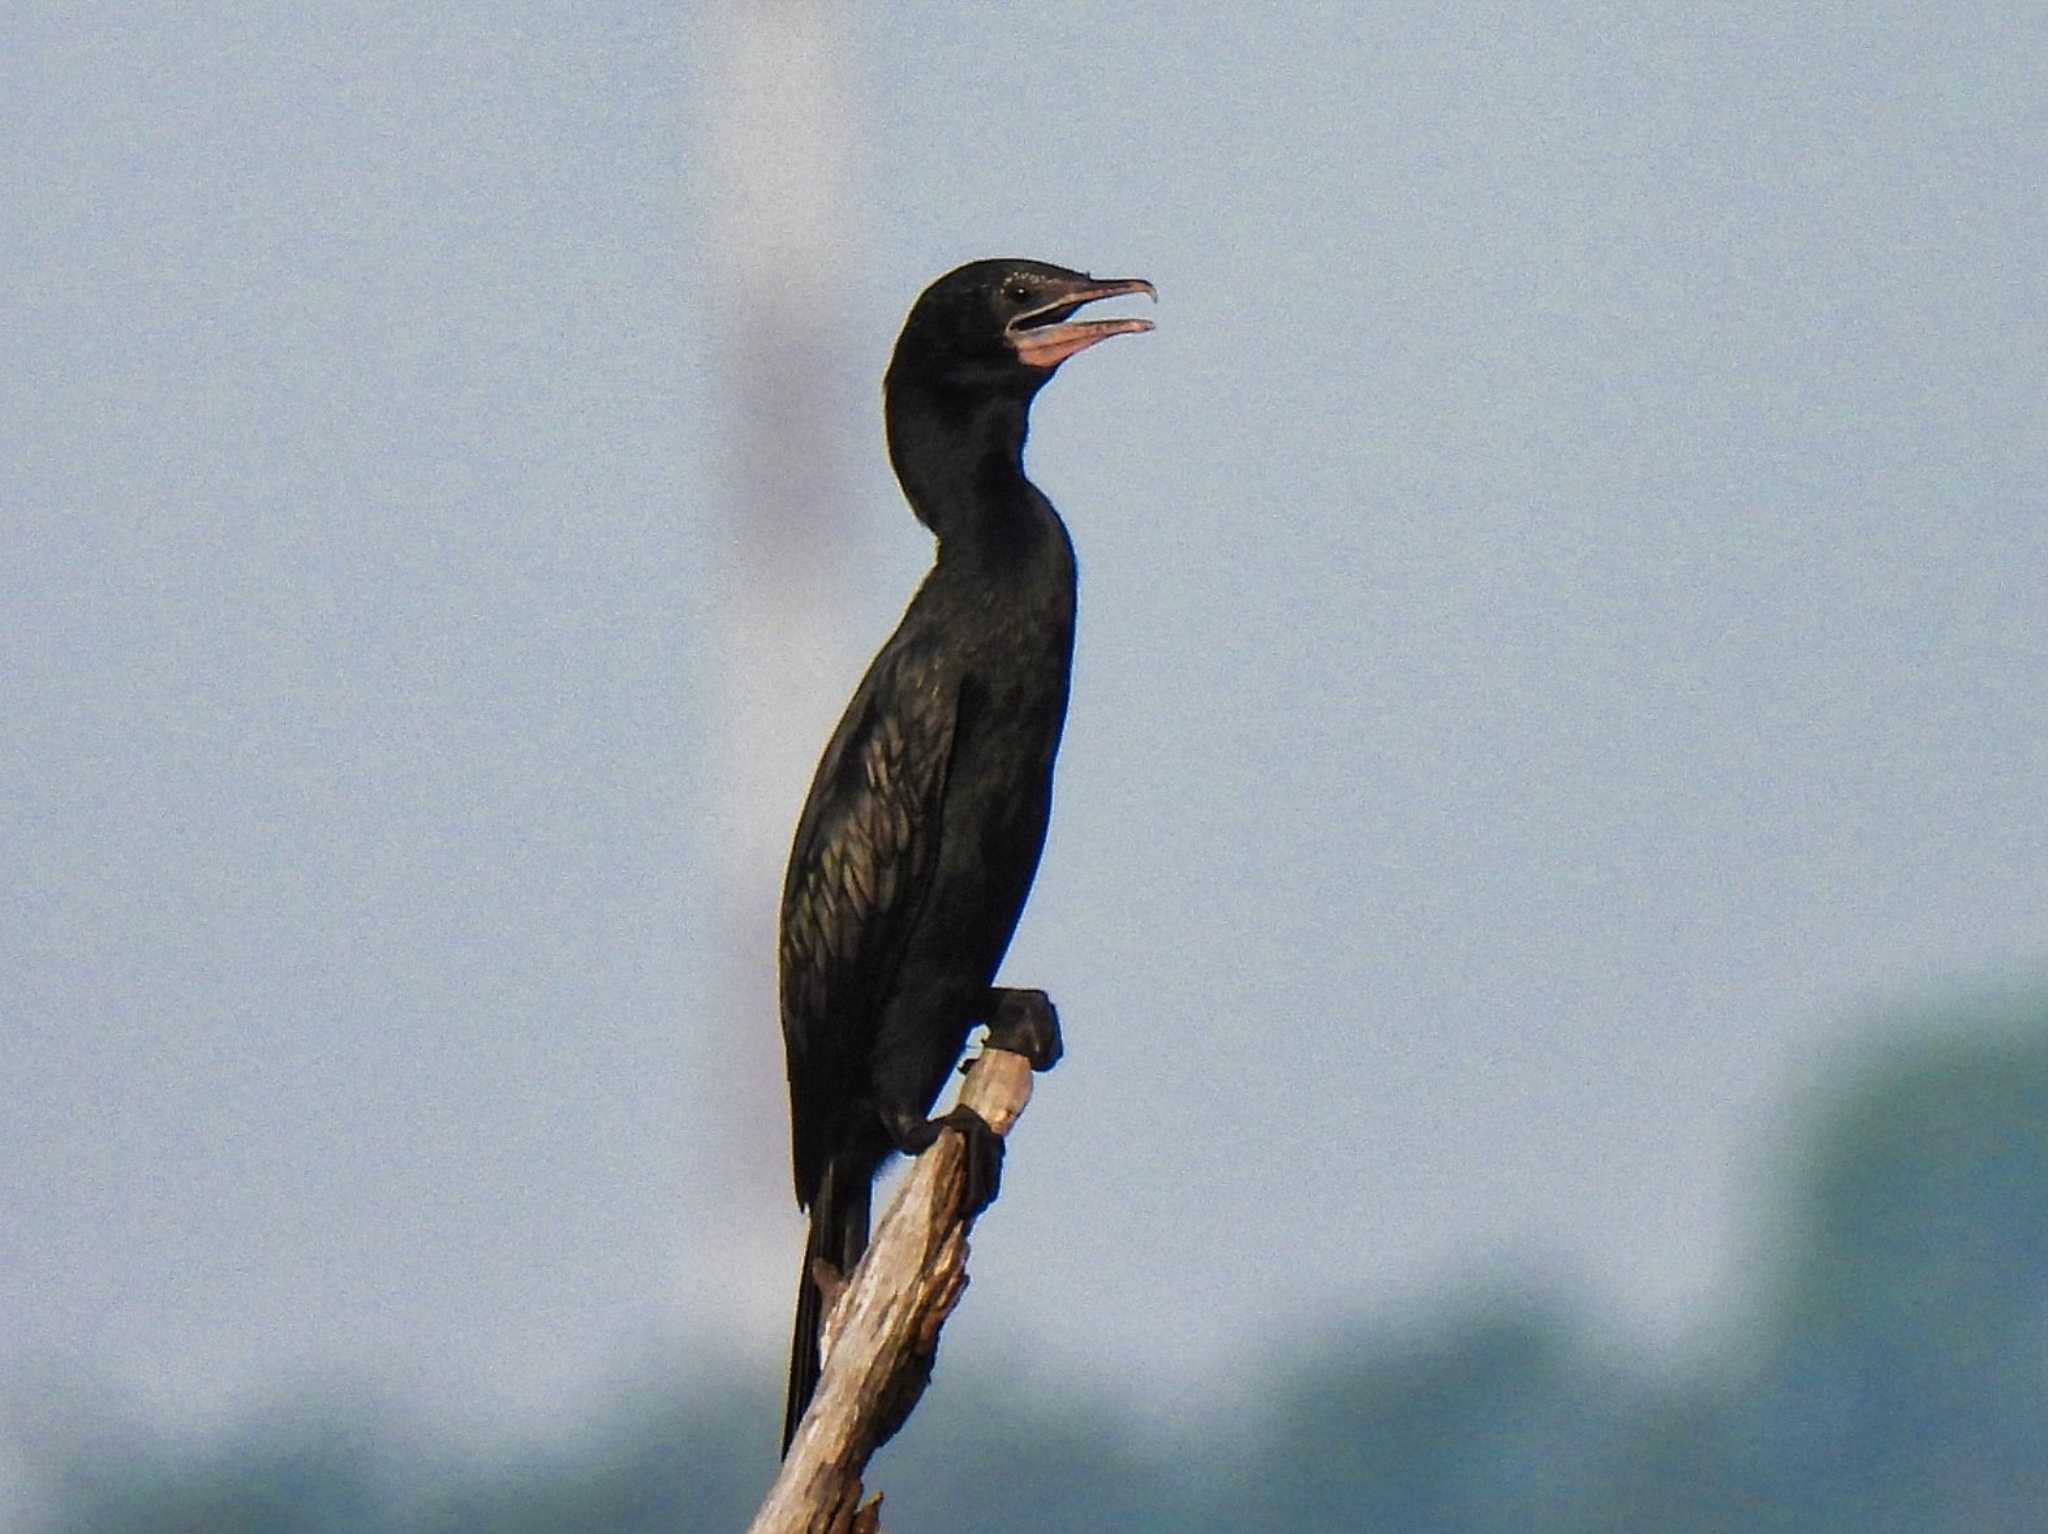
882,1331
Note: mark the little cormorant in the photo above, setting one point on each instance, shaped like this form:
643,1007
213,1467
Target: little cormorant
926,817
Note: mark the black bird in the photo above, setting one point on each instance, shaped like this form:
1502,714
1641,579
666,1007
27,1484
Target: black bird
924,824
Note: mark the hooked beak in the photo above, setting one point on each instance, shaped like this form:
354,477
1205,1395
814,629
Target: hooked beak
1044,337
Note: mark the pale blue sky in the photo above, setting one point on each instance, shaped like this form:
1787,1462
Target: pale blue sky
1562,651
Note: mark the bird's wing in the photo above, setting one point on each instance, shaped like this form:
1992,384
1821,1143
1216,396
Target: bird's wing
861,863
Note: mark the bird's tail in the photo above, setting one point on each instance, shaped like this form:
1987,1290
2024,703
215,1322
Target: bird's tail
839,1234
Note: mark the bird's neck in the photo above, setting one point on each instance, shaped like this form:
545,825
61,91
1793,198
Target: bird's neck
960,459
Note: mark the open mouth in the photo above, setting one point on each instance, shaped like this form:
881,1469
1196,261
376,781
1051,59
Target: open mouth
1046,336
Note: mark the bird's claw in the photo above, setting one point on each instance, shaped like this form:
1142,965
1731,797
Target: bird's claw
1025,1023
981,1159
981,1147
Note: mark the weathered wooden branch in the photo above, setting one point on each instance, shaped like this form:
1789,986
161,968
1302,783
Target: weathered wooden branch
882,1330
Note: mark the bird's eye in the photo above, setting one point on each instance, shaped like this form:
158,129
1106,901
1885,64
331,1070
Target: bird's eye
1016,292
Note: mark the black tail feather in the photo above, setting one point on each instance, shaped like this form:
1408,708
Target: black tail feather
838,1235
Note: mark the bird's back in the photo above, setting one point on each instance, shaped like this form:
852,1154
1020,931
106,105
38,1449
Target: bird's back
922,832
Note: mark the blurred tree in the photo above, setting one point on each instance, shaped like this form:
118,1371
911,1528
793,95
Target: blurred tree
1908,1372
1899,1382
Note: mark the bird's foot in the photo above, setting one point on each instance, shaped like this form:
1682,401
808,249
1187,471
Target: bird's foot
982,1160
982,1153
1025,1023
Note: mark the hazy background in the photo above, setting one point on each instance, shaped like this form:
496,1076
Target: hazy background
1562,660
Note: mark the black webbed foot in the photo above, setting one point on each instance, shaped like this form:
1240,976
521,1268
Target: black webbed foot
983,1148
1025,1023
983,1161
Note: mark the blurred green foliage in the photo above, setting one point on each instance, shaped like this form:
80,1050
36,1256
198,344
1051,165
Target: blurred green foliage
1893,1376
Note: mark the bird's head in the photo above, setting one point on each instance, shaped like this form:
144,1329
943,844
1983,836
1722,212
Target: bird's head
1004,326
